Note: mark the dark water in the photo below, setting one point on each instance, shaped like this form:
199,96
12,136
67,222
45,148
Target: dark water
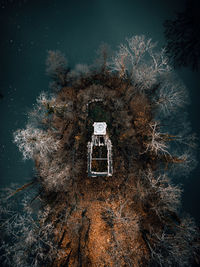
31,27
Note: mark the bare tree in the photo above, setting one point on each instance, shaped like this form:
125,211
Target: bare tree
138,60
169,195
33,141
104,53
56,66
30,236
157,141
171,96
171,245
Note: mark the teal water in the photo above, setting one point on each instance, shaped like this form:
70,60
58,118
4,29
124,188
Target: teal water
29,28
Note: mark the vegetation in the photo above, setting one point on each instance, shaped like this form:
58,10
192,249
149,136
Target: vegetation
132,218
182,35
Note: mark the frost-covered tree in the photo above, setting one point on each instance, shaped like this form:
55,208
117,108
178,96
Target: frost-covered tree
169,194
32,142
173,244
171,96
31,241
156,140
139,60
